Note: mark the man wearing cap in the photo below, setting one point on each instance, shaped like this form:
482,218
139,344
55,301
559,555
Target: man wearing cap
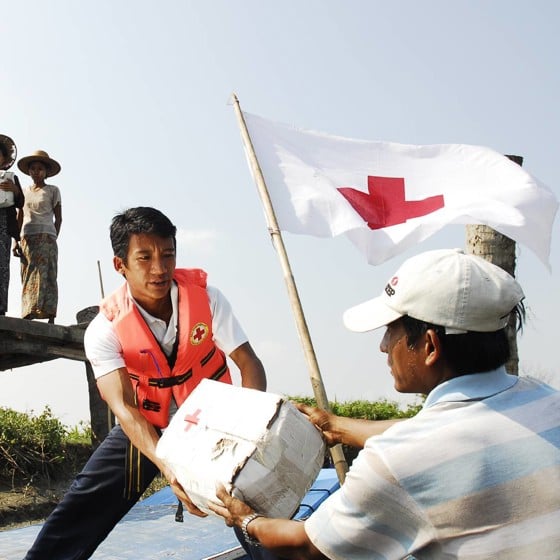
476,473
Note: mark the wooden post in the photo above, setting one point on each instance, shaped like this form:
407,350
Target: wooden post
102,419
499,249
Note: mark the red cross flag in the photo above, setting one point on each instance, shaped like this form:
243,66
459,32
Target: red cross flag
387,197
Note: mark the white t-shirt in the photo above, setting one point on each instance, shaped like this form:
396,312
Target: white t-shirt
104,351
38,210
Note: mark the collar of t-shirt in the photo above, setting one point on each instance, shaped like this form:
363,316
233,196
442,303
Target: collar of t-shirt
164,333
472,387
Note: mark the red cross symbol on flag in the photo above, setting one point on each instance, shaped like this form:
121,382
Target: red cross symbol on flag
385,205
192,419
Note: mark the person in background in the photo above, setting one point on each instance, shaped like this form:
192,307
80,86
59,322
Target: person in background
11,197
155,338
476,473
40,220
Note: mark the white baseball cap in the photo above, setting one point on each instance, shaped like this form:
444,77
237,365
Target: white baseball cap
445,287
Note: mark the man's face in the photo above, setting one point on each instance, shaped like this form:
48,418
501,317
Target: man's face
407,363
149,267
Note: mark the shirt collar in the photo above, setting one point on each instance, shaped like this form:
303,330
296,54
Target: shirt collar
150,319
475,386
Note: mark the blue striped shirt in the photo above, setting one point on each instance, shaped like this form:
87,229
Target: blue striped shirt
475,475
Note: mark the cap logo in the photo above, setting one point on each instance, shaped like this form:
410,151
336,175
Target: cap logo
389,290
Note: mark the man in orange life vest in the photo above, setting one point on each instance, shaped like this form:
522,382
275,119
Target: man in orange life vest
153,341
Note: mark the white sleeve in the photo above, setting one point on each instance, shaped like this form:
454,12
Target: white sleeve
102,346
228,333
104,351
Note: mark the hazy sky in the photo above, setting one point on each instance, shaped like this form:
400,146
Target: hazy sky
131,97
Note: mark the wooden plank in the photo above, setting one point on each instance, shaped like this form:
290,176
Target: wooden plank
21,328
23,342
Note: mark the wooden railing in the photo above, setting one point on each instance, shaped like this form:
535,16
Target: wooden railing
24,343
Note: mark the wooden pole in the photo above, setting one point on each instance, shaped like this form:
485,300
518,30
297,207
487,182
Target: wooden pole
102,419
337,453
110,415
100,279
498,249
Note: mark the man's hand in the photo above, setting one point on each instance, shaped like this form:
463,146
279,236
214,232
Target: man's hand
285,538
233,510
323,420
16,250
8,185
339,429
179,491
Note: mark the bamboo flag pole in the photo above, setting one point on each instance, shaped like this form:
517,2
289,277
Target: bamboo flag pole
100,279
337,453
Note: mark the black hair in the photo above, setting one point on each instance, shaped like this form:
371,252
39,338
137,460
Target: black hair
141,219
471,352
5,152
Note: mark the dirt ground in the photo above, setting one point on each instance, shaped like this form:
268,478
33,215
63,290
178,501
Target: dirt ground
29,504
29,501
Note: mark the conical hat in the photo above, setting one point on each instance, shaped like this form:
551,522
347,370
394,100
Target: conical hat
53,167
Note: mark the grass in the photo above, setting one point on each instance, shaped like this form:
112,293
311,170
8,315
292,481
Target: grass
41,447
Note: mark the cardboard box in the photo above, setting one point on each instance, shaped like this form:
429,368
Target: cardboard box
257,443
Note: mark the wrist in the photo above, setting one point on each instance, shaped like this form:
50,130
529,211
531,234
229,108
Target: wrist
244,524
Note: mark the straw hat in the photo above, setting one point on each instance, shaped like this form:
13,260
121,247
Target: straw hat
10,149
53,167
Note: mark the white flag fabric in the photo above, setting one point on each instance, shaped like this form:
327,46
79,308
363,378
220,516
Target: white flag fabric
386,197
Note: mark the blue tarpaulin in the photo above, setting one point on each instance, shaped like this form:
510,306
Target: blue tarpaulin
149,530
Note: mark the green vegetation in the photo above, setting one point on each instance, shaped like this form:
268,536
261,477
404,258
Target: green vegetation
378,410
40,446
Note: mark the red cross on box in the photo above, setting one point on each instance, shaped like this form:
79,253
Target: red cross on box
191,419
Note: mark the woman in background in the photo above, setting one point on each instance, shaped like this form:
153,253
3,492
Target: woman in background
11,197
40,220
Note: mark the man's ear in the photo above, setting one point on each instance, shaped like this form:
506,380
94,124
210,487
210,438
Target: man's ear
432,347
118,265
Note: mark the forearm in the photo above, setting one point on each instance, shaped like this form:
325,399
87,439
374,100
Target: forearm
284,537
116,390
355,432
345,430
57,218
18,194
141,433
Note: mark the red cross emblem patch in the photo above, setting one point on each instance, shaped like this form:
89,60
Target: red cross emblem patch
199,333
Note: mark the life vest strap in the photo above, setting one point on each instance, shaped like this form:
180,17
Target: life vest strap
208,357
165,382
219,372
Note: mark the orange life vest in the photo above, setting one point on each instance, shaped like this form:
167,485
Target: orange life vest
198,357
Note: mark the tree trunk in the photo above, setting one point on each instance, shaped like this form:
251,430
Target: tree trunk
102,419
500,250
